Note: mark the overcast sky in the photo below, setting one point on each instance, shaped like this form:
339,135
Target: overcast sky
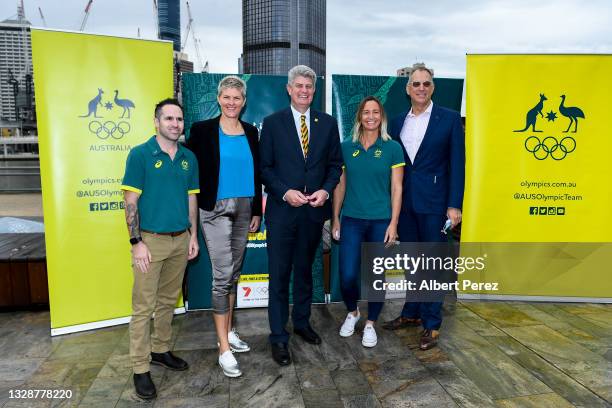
366,37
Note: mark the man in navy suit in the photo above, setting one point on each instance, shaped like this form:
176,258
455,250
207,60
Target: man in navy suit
301,163
434,148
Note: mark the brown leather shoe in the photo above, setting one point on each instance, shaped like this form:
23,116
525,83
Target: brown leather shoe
429,339
401,322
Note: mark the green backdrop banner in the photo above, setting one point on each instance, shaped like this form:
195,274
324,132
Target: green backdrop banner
349,90
265,94
347,93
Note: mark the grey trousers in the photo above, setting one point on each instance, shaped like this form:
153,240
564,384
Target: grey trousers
225,230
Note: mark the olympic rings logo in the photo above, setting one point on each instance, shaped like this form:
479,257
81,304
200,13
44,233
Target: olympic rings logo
550,146
262,290
109,129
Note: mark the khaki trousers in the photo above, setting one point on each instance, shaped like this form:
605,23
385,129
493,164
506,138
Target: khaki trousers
156,291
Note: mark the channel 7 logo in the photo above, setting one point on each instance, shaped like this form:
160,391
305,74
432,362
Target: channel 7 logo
546,210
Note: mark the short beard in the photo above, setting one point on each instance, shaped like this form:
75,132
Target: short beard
167,137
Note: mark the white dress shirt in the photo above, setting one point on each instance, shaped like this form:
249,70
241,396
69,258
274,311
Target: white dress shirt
413,131
298,124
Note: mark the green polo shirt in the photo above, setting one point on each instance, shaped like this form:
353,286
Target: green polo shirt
368,178
163,184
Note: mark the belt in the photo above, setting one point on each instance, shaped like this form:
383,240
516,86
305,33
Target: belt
172,234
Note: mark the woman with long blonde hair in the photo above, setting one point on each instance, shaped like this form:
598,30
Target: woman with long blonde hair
370,197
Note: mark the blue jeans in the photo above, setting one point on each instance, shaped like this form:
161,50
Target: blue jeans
354,232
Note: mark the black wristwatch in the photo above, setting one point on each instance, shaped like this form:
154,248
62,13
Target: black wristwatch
135,240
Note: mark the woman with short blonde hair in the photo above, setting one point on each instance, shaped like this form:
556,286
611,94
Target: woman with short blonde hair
230,205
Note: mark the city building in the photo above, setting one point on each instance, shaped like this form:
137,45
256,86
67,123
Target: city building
16,86
169,24
278,34
169,20
181,65
183,62
404,72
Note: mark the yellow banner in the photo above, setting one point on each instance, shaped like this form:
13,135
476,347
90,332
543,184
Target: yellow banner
537,167
254,277
95,97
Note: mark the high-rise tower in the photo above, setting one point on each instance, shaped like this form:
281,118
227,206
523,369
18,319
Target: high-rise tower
278,34
169,16
16,91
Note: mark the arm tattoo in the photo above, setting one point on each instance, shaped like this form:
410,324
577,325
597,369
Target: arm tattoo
133,221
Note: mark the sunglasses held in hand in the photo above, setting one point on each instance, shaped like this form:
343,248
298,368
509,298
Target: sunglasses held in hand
447,226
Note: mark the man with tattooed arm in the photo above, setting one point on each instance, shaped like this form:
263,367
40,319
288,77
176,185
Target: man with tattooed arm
160,186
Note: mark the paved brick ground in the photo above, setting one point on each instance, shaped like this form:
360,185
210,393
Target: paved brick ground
491,354
21,205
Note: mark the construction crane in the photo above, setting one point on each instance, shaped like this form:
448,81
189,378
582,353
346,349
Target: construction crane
187,29
156,18
42,17
86,15
196,41
23,74
20,11
203,66
23,46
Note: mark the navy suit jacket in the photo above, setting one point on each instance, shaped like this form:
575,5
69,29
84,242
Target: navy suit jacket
283,166
436,179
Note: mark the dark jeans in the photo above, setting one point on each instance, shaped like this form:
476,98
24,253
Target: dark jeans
354,232
413,227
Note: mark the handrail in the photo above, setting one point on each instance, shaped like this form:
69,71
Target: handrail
19,140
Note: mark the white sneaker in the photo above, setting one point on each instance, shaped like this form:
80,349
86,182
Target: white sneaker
348,327
369,338
230,366
237,345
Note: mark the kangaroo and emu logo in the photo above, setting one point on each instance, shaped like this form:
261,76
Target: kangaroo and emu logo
550,146
109,128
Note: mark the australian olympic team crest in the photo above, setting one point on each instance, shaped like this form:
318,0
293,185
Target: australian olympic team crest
101,125
555,144
185,165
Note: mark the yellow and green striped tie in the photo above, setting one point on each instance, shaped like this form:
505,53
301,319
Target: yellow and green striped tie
304,130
